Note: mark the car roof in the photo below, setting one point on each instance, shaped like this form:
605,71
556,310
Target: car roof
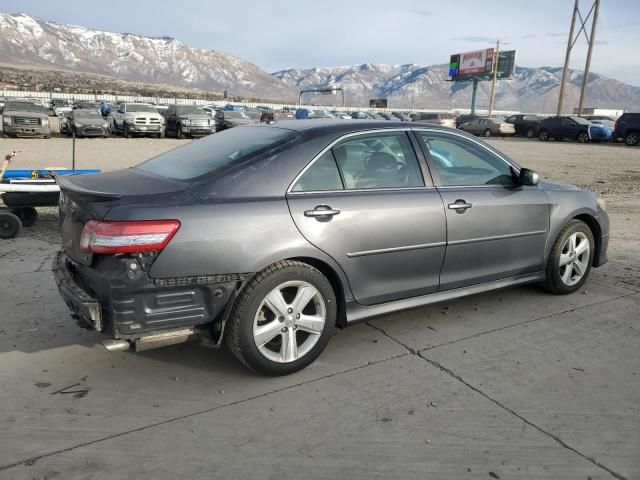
322,126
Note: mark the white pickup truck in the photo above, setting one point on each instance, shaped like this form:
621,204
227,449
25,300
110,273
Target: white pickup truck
137,119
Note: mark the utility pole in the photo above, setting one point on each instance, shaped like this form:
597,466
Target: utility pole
566,58
495,76
587,67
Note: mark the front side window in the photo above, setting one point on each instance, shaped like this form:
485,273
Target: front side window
458,161
323,175
380,160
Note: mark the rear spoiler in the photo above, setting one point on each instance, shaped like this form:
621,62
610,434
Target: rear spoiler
68,186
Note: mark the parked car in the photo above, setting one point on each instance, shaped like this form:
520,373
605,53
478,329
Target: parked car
107,107
402,116
340,114
137,119
60,106
574,128
608,122
525,125
23,118
488,127
188,121
226,119
444,119
361,116
465,118
627,128
249,235
86,123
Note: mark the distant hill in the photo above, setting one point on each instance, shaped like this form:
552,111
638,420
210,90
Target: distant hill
35,45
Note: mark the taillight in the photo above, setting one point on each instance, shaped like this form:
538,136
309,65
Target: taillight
123,237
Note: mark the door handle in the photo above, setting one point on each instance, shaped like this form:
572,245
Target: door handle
460,206
321,211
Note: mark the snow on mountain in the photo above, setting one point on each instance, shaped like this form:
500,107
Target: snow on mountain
27,40
427,86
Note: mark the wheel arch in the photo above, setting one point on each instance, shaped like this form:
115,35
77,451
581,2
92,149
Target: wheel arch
596,231
336,283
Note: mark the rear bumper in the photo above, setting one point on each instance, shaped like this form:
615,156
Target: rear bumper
124,302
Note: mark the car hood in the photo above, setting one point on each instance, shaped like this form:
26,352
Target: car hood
22,113
549,185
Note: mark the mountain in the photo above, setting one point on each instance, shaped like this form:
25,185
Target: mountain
427,86
26,40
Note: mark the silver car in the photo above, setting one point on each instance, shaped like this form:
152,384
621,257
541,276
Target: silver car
488,127
270,236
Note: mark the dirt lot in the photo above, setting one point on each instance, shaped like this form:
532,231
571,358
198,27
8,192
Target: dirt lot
509,384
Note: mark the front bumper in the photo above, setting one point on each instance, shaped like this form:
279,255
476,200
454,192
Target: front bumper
27,131
124,302
92,131
133,128
197,131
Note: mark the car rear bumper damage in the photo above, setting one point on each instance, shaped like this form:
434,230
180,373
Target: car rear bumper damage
136,311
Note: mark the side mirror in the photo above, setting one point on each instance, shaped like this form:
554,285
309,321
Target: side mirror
529,177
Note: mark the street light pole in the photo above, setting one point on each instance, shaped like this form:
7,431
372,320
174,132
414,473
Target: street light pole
495,77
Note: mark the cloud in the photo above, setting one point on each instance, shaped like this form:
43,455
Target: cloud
555,34
529,35
475,39
422,13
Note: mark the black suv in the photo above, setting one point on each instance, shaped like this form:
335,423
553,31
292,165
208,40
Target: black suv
525,125
628,128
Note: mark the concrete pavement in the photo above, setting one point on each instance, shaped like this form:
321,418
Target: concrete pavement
510,384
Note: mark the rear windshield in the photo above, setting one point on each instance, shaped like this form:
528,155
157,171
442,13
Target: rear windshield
23,107
216,152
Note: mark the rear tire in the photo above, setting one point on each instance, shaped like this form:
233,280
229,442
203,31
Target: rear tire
283,319
487,133
632,138
531,133
570,259
10,225
543,136
27,215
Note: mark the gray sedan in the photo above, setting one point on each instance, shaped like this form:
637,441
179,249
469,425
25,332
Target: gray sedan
270,236
488,126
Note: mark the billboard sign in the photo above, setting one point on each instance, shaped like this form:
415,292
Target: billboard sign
479,64
478,61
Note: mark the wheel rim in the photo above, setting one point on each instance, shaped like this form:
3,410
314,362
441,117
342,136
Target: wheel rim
544,136
487,133
574,258
632,139
582,138
289,321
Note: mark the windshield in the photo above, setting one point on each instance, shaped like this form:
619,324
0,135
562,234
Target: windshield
87,114
581,121
188,109
23,107
216,152
132,107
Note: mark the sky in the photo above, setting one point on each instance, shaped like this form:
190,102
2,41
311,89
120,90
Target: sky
278,34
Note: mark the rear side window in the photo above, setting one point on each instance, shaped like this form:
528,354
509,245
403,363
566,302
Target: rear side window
323,175
216,152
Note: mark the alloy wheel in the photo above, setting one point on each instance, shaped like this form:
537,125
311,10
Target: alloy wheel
289,321
574,258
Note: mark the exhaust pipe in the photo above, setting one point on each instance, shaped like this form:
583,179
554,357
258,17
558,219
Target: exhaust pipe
164,339
114,345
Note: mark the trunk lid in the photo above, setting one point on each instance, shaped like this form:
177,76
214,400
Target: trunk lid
91,197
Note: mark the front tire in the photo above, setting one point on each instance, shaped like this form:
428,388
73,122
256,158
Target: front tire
583,137
179,133
632,139
543,136
531,133
570,260
487,133
126,132
283,319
